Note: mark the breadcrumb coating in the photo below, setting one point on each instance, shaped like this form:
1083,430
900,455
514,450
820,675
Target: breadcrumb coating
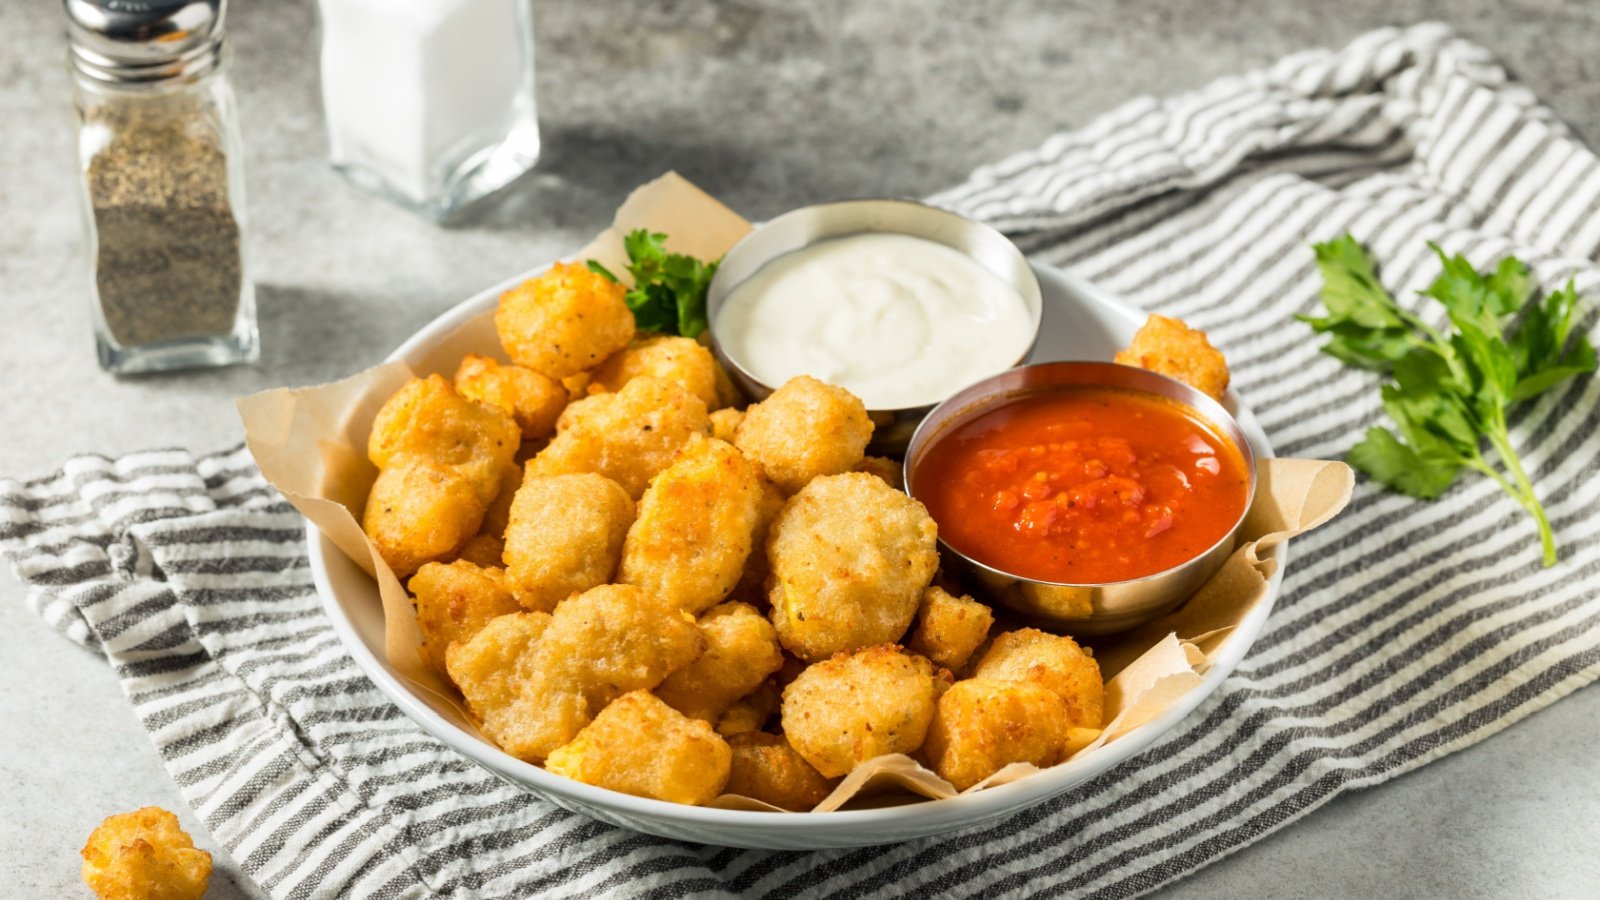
846,710
564,321
1172,348
850,557
144,855
805,429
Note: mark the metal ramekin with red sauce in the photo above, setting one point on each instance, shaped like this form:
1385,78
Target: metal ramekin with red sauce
1086,489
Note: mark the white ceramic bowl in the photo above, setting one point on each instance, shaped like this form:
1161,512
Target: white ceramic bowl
1079,323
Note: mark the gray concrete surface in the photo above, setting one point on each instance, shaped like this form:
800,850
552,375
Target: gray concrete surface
769,105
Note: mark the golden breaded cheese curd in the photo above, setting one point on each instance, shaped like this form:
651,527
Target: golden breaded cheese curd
641,746
883,467
981,726
1172,348
536,693
1054,662
805,429
696,527
680,360
949,628
728,393
628,436
577,386
565,535
850,557
144,855
846,710
533,399
427,419
418,512
766,768
491,666
753,583
498,516
564,321
741,651
483,549
724,422
750,712
455,601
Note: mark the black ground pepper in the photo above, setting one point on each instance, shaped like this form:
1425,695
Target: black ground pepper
167,249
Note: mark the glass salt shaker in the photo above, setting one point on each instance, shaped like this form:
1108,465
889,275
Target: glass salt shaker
163,188
430,103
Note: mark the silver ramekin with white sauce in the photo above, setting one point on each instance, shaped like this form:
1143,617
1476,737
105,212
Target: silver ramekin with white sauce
900,303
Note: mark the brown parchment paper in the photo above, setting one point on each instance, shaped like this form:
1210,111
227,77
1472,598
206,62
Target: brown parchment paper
311,445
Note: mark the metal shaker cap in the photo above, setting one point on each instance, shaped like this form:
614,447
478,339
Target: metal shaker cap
144,41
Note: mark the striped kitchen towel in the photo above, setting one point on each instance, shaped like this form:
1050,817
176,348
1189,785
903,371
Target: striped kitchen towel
1406,630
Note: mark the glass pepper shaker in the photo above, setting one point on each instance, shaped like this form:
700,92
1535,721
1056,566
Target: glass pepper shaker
163,186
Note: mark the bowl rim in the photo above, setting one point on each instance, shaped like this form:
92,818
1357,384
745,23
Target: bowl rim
984,396
1031,292
953,813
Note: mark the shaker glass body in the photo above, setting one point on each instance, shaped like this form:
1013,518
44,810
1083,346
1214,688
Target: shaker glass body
430,102
163,200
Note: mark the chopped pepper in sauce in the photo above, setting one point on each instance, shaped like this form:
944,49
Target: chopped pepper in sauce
1084,485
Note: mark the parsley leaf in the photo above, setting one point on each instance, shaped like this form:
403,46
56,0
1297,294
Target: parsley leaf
1451,388
1368,327
1381,455
669,289
1539,347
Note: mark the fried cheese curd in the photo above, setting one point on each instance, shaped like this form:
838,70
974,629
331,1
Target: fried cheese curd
753,583
1055,663
483,549
533,399
565,536
680,360
628,436
751,712
724,422
419,512
535,680
441,461
882,467
1172,348
803,430
850,557
564,321
766,768
949,628
498,516
639,745
843,711
144,855
455,601
427,419
981,725
695,528
741,651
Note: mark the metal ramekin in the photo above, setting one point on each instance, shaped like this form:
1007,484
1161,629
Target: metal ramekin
810,224
1085,609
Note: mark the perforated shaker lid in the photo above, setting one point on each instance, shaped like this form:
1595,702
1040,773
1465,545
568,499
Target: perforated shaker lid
141,41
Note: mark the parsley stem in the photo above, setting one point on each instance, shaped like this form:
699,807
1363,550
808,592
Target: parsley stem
1522,492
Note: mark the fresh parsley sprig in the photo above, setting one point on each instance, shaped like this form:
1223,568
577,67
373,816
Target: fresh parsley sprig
1451,387
669,289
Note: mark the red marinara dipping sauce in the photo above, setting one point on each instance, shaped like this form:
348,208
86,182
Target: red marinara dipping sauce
1084,485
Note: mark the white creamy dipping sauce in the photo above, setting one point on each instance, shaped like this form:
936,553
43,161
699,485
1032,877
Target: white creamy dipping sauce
899,321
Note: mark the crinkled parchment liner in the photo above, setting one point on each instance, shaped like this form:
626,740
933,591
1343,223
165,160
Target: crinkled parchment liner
311,445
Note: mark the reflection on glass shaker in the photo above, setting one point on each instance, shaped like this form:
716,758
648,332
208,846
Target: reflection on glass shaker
163,189
430,102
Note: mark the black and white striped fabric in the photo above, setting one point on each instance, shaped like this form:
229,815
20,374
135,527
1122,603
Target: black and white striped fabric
1406,630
